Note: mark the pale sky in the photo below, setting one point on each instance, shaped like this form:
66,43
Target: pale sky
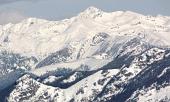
16,10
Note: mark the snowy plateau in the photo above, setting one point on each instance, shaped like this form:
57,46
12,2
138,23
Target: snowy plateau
95,56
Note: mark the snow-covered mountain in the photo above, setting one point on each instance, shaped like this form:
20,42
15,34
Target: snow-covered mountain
95,56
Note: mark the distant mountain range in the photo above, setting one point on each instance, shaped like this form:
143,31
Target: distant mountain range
95,56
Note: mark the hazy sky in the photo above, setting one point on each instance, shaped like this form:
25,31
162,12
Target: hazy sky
16,10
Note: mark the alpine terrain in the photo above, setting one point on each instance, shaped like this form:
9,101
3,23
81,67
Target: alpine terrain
95,56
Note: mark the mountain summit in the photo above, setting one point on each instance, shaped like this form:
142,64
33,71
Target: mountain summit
92,12
95,56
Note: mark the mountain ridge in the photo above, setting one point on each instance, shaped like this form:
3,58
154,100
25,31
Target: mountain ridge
94,56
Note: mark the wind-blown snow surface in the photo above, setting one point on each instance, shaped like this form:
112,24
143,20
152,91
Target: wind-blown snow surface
94,56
